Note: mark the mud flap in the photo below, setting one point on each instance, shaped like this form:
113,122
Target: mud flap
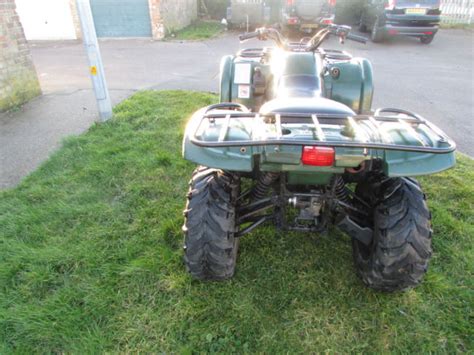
349,226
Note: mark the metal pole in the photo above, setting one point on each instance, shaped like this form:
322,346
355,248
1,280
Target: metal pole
96,68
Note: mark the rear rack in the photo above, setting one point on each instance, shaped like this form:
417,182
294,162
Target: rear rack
334,54
361,125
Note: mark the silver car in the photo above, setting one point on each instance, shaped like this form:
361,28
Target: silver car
306,15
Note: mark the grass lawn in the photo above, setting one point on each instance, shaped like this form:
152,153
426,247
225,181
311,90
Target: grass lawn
200,30
91,260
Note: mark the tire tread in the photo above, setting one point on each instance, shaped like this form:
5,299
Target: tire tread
210,245
399,257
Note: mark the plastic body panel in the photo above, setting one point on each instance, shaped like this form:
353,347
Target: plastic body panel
351,91
354,85
226,74
287,158
416,164
234,86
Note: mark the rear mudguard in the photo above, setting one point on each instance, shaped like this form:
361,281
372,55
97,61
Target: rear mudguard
242,141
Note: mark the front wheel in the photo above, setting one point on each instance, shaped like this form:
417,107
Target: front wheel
400,251
210,243
427,39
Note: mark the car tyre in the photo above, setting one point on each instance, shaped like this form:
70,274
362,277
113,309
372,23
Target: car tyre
398,256
427,39
376,34
362,25
210,242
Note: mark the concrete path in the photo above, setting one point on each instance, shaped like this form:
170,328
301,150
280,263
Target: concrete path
28,136
436,81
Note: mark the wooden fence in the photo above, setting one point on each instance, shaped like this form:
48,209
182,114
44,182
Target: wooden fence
457,11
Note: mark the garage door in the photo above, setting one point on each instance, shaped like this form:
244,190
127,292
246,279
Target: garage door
121,18
46,20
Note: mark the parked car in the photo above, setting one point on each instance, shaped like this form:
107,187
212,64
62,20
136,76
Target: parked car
306,15
416,18
248,14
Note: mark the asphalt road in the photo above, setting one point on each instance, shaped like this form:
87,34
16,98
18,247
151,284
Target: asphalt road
435,81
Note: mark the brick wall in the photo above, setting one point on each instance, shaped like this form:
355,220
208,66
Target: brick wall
18,79
168,16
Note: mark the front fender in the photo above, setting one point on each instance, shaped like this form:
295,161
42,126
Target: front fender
226,79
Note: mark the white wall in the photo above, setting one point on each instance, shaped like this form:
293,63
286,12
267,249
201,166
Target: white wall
46,19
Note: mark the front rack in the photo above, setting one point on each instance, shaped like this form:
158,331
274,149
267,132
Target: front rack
409,121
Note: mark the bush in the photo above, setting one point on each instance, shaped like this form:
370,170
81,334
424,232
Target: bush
216,8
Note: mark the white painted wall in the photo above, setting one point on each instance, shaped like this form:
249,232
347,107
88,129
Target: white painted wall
46,19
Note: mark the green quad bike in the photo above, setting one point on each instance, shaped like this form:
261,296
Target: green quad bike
294,142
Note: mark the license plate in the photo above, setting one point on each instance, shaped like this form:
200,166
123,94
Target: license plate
310,25
415,11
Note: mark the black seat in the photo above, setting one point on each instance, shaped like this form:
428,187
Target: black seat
299,86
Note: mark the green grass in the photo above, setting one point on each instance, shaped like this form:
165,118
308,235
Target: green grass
199,31
91,260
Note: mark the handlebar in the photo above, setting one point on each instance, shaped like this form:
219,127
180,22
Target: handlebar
343,32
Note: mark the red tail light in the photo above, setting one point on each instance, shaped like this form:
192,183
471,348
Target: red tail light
293,20
318,156
428,33
326,21
332,3
290,2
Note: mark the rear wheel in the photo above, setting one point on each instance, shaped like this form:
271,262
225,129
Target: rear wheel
400,251
376,34
427,39
210,244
